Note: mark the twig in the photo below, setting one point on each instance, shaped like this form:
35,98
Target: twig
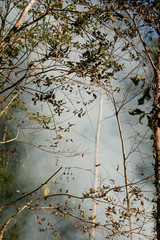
30,193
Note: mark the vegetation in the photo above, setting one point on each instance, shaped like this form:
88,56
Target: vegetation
61,56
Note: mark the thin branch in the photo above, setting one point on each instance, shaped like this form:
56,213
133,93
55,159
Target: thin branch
8,104
142,40
124,163
11,140
13,85
18,23
30,193
11,219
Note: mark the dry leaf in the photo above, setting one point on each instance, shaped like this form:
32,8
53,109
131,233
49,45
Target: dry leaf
112,18
46,191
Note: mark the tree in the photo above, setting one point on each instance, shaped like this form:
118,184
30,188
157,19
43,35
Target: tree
37,58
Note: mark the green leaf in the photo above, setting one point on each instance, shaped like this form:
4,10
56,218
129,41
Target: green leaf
141,117
94,95
136,111
141,101
136,80
146,95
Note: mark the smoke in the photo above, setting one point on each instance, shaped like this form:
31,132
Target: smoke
75,153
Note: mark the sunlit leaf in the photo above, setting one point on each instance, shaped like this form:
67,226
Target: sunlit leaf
113,19
46,191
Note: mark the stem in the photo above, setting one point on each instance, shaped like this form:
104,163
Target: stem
124,165
142,41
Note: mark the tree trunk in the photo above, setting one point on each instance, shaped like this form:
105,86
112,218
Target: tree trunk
156,109
96,162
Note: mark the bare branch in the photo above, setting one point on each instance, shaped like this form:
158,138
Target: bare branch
30,193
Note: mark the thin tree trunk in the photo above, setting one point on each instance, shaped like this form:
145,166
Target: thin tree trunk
96,162
156,108
125,174
124,165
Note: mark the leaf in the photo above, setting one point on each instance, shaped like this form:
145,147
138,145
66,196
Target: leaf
141,117
146,95
135,79
114,210
94,95
119,15
141,101
97,165
46,191
112,18
113,181
155,10
136,111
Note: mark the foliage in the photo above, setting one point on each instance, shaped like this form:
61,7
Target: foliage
11,155
58,55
